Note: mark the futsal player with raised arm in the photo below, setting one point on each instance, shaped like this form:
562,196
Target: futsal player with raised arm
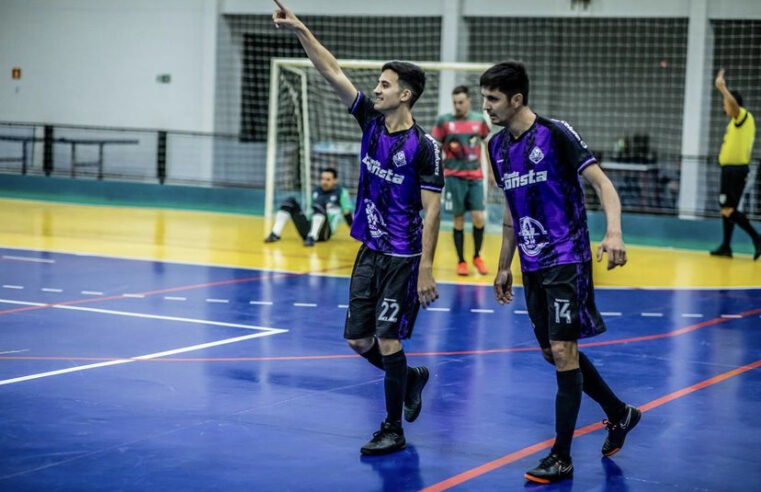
537,162
400,175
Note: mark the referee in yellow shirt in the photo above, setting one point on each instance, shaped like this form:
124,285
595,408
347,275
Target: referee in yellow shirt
734,159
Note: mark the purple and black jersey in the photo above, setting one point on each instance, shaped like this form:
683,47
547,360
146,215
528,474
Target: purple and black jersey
394,168
539,172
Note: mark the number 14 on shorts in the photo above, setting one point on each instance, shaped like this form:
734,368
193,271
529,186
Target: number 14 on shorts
563,310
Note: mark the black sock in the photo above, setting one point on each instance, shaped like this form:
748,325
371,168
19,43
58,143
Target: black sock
567,403
597,389
395,385
728,227
374,356
478,240
458,238
740,219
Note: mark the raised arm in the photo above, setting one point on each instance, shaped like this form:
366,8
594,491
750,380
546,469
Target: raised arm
729,100
426,285
322,59
613,242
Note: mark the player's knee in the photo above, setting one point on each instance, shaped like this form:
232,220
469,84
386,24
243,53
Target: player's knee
727,211
290,205
458,221
478,219
564,354
389,346
547,354
360,345
319,209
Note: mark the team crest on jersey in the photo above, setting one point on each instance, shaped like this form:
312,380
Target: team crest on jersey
533,236
536,155
399,159
375,221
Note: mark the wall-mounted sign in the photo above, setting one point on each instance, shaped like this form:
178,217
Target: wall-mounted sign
16,73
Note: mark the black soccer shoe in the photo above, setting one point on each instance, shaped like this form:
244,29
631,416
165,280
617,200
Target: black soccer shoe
722,251
388,439
550,469
413,398
272,238
617,431
309,241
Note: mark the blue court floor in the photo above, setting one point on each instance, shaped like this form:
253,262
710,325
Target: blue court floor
140,375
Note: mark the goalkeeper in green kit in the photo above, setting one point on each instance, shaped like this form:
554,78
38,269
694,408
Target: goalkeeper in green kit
330,202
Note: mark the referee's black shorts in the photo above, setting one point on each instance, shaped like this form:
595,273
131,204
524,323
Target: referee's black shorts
561,303
383,298
732,185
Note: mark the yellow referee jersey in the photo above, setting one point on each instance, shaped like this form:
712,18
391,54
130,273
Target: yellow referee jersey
738,140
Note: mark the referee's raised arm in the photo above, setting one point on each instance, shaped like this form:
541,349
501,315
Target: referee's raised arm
323,60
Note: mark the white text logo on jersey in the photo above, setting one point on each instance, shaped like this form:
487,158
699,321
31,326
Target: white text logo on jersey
375,168
515,180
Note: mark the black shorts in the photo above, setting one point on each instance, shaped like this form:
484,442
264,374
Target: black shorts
732,185
561,303
383,299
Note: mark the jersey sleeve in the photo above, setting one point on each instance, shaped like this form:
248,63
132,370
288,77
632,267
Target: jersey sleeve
438,131
484,128
362,109
346,204
742,116
428,163
571,148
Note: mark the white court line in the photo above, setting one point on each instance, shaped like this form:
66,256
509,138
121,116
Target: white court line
136,296
172,298
610,313
520,311
143,315
485,311
14,351
16,287
652,315
304,304
731,316
23,303
272,331
26,258
334,275
443,310
691,315
343,306
167,318
223,301
92,293
261,303
48,289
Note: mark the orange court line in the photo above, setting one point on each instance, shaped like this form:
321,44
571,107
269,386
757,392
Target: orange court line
535,448
668,334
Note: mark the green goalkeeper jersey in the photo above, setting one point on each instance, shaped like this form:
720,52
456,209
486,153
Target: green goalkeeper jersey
336,203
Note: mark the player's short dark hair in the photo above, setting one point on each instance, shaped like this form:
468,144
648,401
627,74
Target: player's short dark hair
330,170
410,76
509,77
461,89
738,97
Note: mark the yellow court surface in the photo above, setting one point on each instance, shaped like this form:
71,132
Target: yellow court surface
237,240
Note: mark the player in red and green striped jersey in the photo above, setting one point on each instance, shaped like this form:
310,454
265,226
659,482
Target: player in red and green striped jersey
460,134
